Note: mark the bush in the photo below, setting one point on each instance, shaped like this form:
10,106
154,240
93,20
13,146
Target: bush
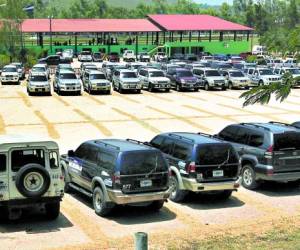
4,60
251,59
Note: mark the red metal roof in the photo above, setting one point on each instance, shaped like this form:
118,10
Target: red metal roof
89,25
195,23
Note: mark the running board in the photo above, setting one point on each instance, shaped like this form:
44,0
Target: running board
81,190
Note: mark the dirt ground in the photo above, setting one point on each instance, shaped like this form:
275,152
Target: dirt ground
72,119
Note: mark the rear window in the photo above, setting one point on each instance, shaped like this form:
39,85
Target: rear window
20,158
142,163
288,140
216,154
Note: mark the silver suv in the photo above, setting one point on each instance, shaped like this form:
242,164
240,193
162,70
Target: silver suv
94,80
210,78
30,176
153,79
38,83
236,79
66,81
125,79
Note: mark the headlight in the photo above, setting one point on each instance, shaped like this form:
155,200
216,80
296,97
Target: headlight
182,81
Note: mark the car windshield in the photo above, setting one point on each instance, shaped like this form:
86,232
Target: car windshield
212,73
265,72
97,76
10,69
18,66
91,67
65,66
41,78
96,54
224,66
128,75
135,66
38,69
86,53
294,71
216,154
236,58
142,163
185,73
68,76
161,54
236,74
156,74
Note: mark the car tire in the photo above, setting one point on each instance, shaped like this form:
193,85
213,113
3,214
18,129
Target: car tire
260,83
224,88
247,87
79,93
4,214
196,89
39,177
177,195
89,90
167,90
230,86
248,177
101,206
150,88
138,91
120,89
52,210
206,87
156,205
58,91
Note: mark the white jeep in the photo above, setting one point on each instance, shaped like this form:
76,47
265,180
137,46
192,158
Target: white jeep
129,56
30,177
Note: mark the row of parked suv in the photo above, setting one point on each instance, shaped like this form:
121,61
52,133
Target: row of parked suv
117,172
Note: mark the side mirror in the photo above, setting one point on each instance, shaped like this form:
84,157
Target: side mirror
71,153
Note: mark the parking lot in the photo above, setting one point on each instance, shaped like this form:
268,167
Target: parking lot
69,120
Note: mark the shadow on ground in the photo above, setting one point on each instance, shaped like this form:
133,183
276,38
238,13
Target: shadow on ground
131,215
277,189
33,223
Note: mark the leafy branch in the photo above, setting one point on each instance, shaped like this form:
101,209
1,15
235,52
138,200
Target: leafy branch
263,94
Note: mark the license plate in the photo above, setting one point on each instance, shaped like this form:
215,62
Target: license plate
218,173
146,183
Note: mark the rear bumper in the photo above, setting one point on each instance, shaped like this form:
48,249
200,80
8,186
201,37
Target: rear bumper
118,197
279,177
194,186
28,202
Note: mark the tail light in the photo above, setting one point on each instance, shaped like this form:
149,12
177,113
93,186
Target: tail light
270,172
116,178
62,177
269,152
191,167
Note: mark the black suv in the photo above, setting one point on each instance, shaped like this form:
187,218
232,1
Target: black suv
268,151
115,171
199,163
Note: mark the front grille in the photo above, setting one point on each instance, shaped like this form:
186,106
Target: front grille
218,81
101,84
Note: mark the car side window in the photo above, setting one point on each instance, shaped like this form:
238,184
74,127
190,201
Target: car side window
256,139
157,141
106,160
250,71
182,151
91,154
166,146
53,160
2,163
242,136
81,151
228,133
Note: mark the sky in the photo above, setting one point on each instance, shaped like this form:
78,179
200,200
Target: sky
213,2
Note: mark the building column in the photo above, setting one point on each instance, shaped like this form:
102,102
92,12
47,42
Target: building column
190,36
152,39
210,33
76,49
181,34
221,36
41,41
172,33
136,46
157,38
147,38
234,35
164,37
108,48
248,35
199,33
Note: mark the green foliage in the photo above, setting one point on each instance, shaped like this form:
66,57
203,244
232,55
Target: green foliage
251,59
263,94
4,60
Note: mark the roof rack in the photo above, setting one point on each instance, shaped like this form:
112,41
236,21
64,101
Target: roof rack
205,134
281,123
255,125
107,145
181,137
138,142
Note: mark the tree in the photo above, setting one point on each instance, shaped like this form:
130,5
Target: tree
263,94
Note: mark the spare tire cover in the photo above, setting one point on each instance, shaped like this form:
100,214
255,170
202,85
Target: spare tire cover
32,180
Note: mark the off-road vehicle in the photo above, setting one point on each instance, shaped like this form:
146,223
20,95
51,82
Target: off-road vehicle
30,176
236,79
116,172
268,151
94,80
199,163
66,81
125,79
38,83
10,74
182,79
264,76
210,78
129,56
154,79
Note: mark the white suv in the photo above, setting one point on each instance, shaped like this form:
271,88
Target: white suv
10,74
154,79
129,56
30,176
